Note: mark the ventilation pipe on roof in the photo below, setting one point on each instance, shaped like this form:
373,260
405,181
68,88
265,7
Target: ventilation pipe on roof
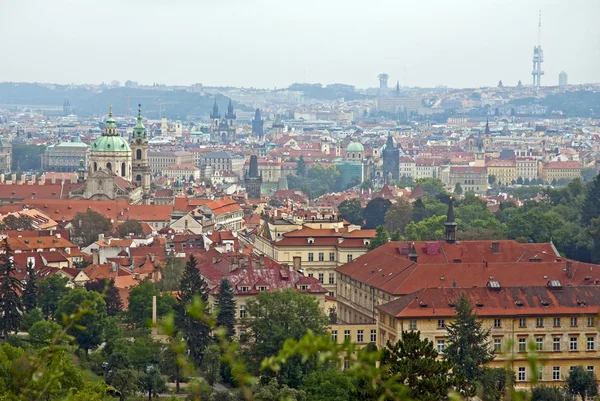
569,269
413,256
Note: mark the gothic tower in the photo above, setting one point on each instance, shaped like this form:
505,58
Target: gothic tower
253,180
230,115
215,116
258,125
139,151
391,159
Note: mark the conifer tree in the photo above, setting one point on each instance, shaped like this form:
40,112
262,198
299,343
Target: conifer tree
468,346
225,305
591,205
11,306
195,330
30,291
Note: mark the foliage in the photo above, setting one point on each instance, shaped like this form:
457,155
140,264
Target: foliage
382,238
414,362
226,308
140,303
405,181
468,346
301,167
374,213
496,384
429,229
171,273
211,363
111,295
431,186
152,382
319,180
11,306
330,384
419,211
351,211
50,291
272,391
22,223
27,157
30,291
366,185
131,228
458,189
398,215
125,381
549,393
43,333
30,318
591,205
582,383
87,227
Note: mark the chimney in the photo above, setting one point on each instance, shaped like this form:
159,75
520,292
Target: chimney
53,179
413,256
495,248
569,269
113,266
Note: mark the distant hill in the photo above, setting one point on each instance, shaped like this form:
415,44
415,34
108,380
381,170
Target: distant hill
572,104
176,104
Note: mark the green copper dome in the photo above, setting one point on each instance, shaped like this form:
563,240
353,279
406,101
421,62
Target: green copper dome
139,130
110,121
355,146
110,143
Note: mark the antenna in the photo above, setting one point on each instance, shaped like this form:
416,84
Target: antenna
540,29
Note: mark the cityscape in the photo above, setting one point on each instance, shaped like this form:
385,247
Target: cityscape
389,237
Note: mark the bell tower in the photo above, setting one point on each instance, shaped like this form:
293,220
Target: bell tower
139,151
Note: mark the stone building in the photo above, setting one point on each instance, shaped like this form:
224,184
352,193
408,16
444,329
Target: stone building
5,156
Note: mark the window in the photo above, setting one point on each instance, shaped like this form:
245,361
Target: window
591,321
331,278
441,345
497,345
346,334
555,372
573,344
346,362
497,323
590,344
321,256
373,335
311,275
556,322
573,322
311,257
521,374
540,373
349,257
441,324
539,343
242,311
412,324
321,278
522,322
590,368
334,335
360,336
262,288
556,344
522,344
331,294
539,322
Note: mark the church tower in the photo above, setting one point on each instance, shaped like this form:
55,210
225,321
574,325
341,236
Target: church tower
253,180
258,125
391,159
230,116
139,151
215,116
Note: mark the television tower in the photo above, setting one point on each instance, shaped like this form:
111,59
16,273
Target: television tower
538,57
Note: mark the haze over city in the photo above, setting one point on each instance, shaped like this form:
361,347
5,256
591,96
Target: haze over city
268,43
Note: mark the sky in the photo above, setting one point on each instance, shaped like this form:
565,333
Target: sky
273,43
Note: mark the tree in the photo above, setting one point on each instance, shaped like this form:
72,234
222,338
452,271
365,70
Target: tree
11,306
226,310
431,186
328,385
125,381
131,228
211,363
382,238
92,321
367,184
273,391
170,363
196,332
458,189
398,215
21,223
468,346
429,229
419,211
87,227
351,211
152,382
405,181
139,311
42,333
111,295
549,393
50,291
520,180
591,205
414,362
301,167
582,383
496,383
171,272
374,213
30,318
30,290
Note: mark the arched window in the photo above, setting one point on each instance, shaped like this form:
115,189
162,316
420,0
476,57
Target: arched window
138,177
95,166
109,166
122,169
138,154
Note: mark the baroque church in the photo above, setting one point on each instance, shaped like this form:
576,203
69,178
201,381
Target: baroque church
116,170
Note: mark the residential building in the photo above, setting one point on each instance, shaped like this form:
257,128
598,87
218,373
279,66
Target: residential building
556,171
161,159
471,178
5,156
223,160
503,171
184,172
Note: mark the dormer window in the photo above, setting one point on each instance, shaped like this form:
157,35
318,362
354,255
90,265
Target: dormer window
303,287
311,240
262,288
243,289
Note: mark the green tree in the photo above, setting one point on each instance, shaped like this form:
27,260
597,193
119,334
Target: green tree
89,332
468,347
140,303
301,167
27,157
171,363
11,306
549,393
226,308
30,290
130,228
414,362
419,211
496,384
112,298
273,391
382,238
42,333
374,213
30,318
520,180
431,186
196,332
211,363
21,223
398,215
171,272
351,211
87,227
144,351
328,385
591,205
152,382
582,383
50,292
491,179
125,381
426,230
405,181
367,184
458,189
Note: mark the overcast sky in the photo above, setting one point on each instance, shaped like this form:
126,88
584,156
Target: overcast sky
273,43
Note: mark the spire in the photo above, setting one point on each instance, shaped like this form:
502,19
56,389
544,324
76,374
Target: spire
390,143
139,130
450,224
110,126
413,256
215,111
487,126
230,113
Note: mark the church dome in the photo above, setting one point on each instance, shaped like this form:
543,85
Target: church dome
355,146
110,144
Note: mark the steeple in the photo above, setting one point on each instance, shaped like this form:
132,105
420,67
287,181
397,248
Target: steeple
139,131
389,145
214,114
487,126
110,126
397,88
413,256
258,124
450,224
230,113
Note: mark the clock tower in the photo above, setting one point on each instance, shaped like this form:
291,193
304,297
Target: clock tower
139,151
